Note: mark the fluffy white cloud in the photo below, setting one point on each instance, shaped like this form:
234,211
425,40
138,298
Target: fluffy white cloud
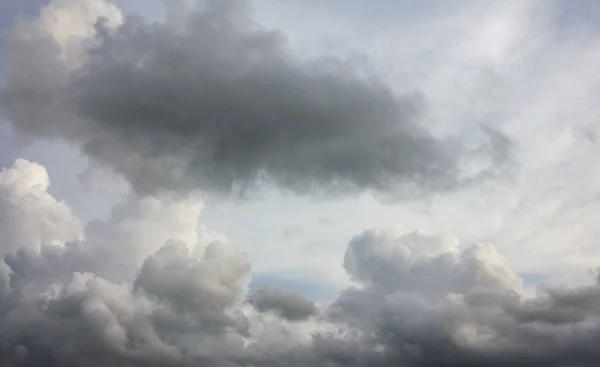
138,227
395,261
30,216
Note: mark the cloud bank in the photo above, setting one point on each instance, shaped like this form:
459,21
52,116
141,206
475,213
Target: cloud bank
208,99
180,298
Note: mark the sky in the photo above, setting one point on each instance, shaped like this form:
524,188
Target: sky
323,183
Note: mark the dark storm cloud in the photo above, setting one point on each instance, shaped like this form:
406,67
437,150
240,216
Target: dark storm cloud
289,305
234,98
209,99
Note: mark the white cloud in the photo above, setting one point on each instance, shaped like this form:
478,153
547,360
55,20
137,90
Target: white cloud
30,216
417,262
138,227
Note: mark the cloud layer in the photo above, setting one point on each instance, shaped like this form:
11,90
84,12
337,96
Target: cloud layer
66,298
209,99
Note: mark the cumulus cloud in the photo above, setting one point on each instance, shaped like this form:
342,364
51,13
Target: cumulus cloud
190,285
138,227
388,259
418,299
441,304
29,215
210,99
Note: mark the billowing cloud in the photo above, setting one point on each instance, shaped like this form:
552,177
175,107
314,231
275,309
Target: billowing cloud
391,260
440,304
29,215
209,99
189,285
418,300
137,227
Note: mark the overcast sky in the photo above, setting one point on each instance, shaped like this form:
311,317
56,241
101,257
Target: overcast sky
332,183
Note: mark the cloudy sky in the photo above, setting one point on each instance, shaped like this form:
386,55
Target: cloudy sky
304,183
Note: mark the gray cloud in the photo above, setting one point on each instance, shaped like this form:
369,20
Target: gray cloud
289,305
209,99
559,306
420,300
202,287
